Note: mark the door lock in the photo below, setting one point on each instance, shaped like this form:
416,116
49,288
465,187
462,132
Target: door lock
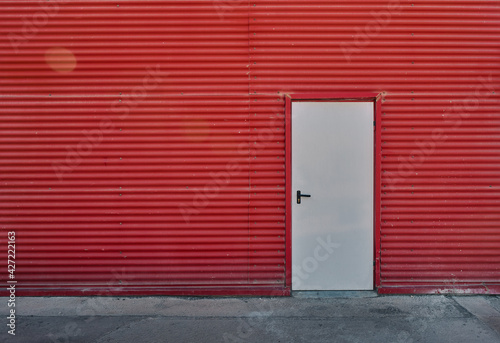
299,195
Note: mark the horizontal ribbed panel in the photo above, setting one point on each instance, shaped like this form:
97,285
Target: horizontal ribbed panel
128,153
436,64
186,185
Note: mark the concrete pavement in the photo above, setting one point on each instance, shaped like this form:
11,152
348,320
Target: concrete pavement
355,318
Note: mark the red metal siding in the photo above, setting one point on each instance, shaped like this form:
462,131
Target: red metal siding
437,66
137,165
185,189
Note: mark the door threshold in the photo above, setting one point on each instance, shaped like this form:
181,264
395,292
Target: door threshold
334,294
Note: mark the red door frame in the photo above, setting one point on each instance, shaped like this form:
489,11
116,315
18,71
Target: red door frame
353,96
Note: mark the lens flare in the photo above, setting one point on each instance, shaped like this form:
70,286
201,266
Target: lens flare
61,60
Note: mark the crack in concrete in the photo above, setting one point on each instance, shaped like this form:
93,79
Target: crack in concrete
490,321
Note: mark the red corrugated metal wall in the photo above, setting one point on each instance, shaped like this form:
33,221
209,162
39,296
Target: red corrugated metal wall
142,142
130,153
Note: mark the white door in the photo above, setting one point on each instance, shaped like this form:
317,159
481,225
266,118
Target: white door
332,161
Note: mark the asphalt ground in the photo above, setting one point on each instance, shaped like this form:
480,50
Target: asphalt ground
306,317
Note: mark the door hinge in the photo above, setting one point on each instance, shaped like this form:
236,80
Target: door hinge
374,123
374,263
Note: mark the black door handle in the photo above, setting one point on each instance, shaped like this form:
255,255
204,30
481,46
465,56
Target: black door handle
299,195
